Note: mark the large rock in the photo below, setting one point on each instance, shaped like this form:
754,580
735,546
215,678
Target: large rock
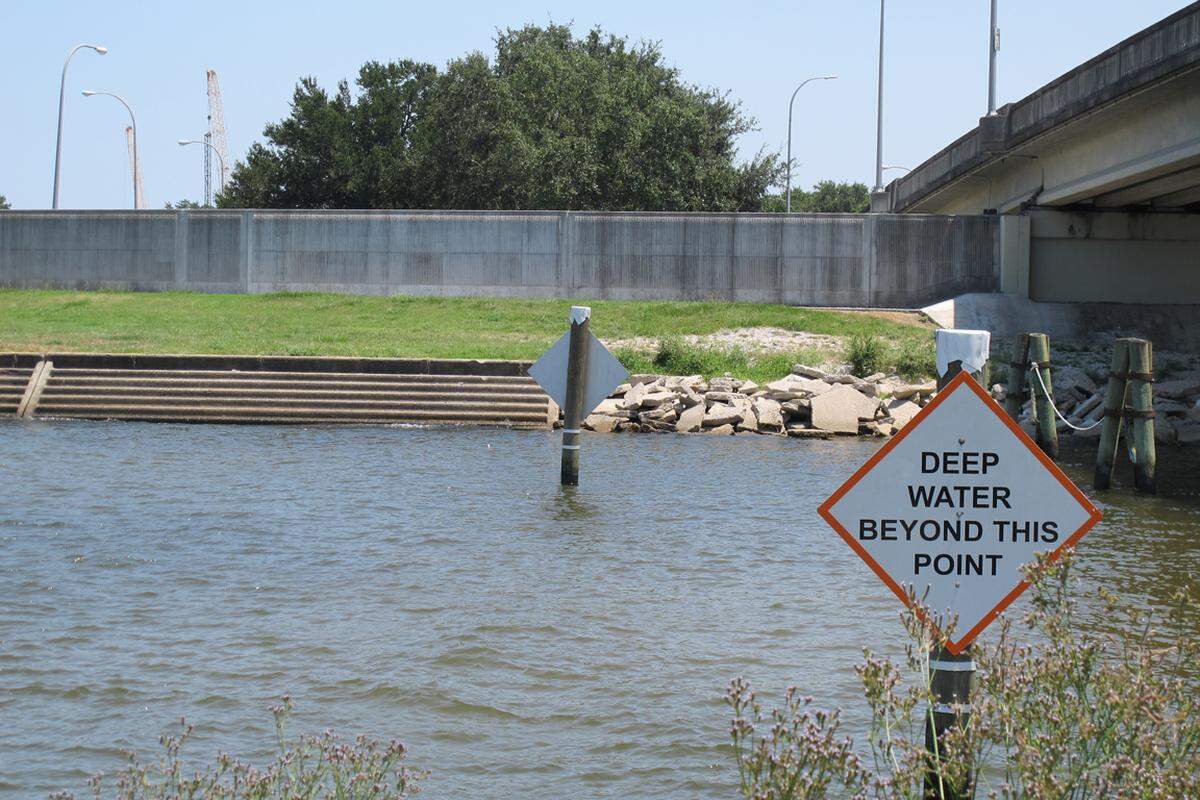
723,384
637,380
1165,431
796,386
722,430
633,397
840,409
691,420
1179,388
1188,433
612,407
794,409
866,387
1089,405
749,420
902,412
807,433
1069,381
601,423
656,399
720,414
903,391
719,396
662,413
1165,406
683,382
769,414
810,372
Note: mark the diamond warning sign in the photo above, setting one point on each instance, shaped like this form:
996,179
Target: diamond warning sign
954,505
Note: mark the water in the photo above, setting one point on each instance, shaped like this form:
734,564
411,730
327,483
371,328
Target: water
439,587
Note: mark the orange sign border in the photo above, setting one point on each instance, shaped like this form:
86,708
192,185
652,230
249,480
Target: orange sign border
825,509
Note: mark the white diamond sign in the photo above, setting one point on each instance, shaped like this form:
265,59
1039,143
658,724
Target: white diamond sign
953,507
604,372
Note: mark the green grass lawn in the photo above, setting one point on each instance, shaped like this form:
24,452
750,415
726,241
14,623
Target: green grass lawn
346,325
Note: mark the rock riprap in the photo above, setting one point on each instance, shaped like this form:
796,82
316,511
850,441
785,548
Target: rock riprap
812,403
808,402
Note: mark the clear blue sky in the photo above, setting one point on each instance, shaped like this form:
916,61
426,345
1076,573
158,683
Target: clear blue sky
935,81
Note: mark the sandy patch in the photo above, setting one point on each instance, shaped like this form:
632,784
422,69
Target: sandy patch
750,340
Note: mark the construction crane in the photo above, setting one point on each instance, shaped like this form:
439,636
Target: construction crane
139,200
215,137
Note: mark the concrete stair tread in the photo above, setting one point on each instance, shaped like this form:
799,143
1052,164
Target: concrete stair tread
70,390
107,410
259,419
153,384
307,376
51,401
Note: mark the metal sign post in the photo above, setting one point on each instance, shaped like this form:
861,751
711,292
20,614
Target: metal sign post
577,360
577,372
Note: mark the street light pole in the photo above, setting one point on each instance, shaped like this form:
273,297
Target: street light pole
133,123
993,47
62,90
879,111
210,146
789,142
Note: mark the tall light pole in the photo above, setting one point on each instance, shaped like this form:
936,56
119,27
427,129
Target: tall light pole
210,146
62,90
879,111
993,47
789,145
133,122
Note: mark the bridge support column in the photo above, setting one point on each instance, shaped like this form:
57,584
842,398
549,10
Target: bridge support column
1014,254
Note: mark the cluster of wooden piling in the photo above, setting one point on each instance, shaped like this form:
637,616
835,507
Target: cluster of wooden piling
1128,398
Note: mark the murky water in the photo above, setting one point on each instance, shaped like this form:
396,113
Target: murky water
439,587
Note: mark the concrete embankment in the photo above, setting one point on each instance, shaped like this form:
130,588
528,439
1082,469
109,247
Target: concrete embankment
271,389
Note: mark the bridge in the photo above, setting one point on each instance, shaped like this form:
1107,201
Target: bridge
1095,176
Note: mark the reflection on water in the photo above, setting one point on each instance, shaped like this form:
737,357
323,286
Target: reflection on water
523,639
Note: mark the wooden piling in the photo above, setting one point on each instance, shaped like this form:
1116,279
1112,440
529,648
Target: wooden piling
1039,358
1114,405
950,681
577,357
1141,402
952,369
1018,364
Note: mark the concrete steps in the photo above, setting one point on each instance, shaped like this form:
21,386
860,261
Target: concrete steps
13,381
368,391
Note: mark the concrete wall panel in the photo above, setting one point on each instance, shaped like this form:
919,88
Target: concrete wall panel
813,259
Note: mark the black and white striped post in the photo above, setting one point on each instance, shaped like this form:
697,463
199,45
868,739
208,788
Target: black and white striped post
951,675
573,410
950,679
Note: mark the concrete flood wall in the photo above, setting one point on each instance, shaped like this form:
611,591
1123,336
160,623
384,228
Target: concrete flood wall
803,259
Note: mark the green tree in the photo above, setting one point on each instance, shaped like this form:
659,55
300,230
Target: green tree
552,121
183,204
825,197
4,204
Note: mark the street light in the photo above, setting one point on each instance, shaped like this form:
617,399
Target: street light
906,169
133,122
789,144
993,47
879,112
62,89
220,161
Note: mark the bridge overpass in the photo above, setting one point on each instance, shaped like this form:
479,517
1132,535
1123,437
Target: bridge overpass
1095,176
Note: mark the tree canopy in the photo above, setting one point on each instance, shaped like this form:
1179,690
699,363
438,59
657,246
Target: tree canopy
825,197
551,121
4,204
